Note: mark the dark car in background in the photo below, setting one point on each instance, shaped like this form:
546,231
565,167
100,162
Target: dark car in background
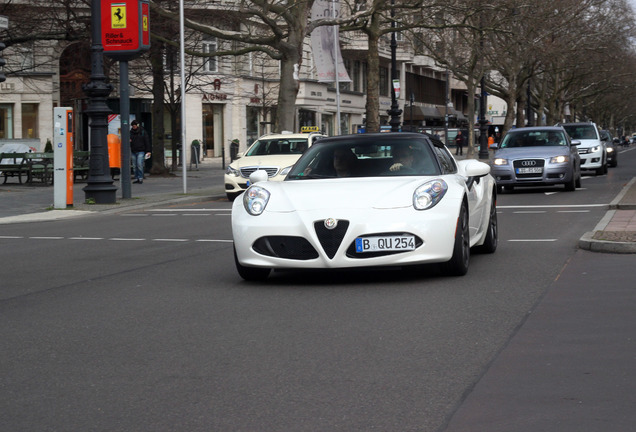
612,148
536,156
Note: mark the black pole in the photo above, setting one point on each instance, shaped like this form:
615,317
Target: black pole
124,94
395,110
100,188
412,100
446,103
483,123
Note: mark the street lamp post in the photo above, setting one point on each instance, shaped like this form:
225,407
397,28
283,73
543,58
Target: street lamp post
483,122
395,110
99,188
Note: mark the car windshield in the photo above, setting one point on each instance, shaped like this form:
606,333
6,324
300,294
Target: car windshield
366,158
278,146
534,139
581,131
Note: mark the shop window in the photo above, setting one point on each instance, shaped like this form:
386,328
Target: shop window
30,120
6,121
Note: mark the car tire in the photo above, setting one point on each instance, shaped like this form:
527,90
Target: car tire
492,236
458,264
252,274
578,179
570,186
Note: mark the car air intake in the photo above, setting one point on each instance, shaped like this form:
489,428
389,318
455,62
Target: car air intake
285,247
330,239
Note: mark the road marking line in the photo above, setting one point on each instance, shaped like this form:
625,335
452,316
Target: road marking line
217,241
11,237
532,240
530,211
46,238
171,240
127,239
573,211
185,210
554,206
134,214
86,238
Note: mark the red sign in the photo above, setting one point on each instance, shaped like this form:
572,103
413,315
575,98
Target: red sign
125,28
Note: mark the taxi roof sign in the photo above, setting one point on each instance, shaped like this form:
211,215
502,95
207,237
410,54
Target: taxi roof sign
307,129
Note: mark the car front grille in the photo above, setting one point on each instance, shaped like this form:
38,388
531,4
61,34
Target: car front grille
583,150
289,247
330,239
271,171
528,163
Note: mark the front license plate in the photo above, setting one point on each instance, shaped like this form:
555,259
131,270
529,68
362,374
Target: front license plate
529,170
385,243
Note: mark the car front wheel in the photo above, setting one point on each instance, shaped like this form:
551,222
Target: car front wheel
250,273
458,264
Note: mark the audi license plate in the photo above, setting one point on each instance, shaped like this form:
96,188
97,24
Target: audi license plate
533,170
385,243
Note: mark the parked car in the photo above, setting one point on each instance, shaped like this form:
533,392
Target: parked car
593,151
536,156
275,154
612,148
385,199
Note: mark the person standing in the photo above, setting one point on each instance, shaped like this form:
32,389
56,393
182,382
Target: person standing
459,143
140,149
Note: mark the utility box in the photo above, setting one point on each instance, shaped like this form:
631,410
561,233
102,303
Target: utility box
63,157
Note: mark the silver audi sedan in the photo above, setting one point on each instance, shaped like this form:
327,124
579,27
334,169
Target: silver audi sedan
536,156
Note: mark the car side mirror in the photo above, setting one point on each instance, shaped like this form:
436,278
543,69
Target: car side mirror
258,176
576,142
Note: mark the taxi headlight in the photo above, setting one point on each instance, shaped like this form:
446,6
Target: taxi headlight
429,194
255,200
559,159
232,171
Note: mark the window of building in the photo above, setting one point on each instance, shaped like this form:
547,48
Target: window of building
357,75
210,64
6,121
346,85
27,59
384,81
30,120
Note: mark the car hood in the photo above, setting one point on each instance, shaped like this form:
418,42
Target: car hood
585,143
354,193
532,152
266,160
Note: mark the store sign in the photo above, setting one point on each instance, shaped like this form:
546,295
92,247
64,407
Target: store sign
125,28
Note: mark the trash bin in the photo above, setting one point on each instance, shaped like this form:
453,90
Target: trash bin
195,154
234,148
114,154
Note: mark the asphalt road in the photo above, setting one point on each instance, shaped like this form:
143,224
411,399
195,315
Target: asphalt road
139,321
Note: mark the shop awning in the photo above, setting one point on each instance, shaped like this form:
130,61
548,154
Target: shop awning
421,113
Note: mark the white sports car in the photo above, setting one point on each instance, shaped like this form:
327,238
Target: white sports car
387,199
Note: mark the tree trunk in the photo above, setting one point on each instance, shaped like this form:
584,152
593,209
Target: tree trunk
373,78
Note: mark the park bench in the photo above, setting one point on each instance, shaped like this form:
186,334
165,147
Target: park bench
39,166
12,165
80,164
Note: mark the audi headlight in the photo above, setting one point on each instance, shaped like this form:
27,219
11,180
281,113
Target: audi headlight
610,149
284,171
500,161
255,200
232,171
429,194
559,159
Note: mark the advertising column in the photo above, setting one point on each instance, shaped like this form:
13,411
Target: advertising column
63,157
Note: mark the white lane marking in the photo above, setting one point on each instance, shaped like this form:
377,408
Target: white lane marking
11,237
530,212
165,214
86,238
198,214
218,241
133,214
186,210
553,206
171,240
573,211
127,239
46,238
532,240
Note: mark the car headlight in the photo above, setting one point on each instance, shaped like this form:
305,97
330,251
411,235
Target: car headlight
500,161
429,194
595,149
610,149
559,159
284,171
255,199
232,171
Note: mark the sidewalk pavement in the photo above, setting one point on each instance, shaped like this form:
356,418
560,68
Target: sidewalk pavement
615,233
